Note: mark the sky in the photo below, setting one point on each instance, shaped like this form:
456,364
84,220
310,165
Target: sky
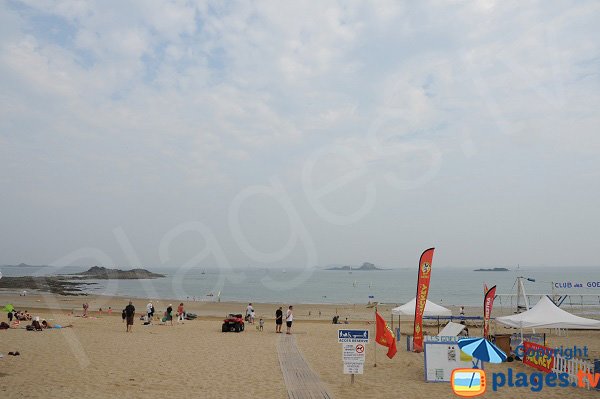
202,134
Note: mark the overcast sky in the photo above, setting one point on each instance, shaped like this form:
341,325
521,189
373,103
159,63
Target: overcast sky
310,133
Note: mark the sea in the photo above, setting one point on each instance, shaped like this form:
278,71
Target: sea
449,287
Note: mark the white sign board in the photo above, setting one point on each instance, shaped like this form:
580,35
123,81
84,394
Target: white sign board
354,348
443,355
354,353
353,368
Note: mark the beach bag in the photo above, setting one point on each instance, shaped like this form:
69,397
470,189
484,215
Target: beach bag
4,326
29,328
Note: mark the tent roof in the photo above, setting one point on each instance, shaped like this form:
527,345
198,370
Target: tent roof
545,314
451,330
431,309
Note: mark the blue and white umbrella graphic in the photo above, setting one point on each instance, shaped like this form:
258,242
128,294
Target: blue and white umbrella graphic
481,349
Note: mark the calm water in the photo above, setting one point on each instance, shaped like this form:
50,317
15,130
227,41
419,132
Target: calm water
448,286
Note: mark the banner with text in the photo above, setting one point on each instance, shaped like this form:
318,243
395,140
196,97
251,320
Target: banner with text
423,280
488,302
537,356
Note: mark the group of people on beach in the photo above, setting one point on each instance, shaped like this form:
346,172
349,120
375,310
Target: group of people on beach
19,316
15,318
128,314
289,318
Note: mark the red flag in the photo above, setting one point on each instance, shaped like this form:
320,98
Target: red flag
421,298
384,335
488,302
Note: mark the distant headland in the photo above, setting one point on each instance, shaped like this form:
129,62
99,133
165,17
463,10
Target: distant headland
70,284
495,269
22,265
365,267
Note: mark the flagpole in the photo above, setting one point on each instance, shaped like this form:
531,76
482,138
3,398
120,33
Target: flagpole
375,340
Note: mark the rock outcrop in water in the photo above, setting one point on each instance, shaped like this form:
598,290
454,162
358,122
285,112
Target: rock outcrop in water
53,284
98,272
495,269
365,266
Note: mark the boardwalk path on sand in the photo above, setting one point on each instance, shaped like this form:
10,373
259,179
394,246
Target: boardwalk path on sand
301,382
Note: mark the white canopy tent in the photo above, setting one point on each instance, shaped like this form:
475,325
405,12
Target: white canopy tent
431,309
545,314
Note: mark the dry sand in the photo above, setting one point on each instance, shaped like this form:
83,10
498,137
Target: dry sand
98,359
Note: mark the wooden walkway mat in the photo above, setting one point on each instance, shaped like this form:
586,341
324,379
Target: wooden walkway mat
301,382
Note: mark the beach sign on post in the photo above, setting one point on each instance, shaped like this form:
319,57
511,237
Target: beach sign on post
354,348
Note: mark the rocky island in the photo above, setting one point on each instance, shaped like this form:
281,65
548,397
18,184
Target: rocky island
102,273
365,267
495,269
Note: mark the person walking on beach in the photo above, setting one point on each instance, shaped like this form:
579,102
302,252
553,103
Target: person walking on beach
130,313
180,313
149,311
289,317
249,311
278,320
85,309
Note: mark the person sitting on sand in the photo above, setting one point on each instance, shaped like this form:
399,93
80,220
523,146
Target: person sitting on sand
36,324
465,331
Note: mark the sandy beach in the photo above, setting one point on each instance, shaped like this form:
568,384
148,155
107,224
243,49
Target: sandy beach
97,358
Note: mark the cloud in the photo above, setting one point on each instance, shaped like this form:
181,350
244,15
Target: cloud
193,97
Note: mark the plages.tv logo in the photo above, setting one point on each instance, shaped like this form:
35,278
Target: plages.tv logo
468,382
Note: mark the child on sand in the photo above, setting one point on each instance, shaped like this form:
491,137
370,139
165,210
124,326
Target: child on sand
261,324
180,313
